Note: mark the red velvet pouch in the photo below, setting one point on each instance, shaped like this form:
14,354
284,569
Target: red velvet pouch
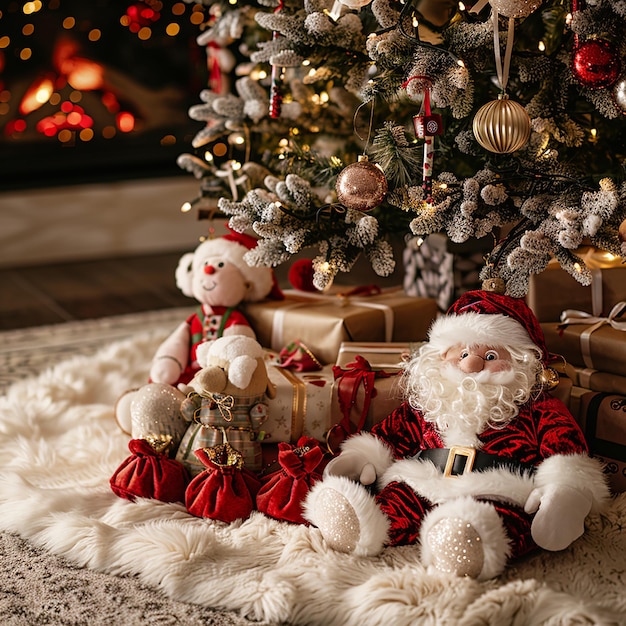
225,490
149,473
283,491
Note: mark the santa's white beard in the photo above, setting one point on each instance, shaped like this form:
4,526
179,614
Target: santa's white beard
464,405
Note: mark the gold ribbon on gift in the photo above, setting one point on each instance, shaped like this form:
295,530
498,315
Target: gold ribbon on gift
298,402
572,316
278,321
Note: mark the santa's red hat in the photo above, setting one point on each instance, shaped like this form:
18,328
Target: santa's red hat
232,248
488,318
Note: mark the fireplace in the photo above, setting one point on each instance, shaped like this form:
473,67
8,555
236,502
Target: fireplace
96,90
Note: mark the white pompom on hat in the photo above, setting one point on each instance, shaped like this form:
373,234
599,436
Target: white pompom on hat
231,248
488,318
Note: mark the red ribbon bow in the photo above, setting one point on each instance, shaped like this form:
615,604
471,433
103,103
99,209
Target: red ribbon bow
357,374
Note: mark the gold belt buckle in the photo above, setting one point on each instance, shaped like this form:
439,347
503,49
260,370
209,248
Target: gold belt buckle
466,451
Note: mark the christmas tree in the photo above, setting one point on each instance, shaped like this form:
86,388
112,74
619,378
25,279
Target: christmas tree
340,126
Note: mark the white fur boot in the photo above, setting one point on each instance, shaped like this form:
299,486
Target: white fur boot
465,537
347,516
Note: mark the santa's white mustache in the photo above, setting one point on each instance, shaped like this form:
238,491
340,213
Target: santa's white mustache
471,380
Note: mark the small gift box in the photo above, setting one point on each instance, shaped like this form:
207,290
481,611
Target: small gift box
322,322
591,342
380,355
301,406
554,289
366,386
602,417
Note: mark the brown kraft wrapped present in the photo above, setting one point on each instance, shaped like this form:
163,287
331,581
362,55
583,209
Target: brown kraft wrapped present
554,289
603,420
323,322
589,341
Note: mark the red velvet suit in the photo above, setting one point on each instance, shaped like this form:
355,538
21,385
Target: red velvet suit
543,428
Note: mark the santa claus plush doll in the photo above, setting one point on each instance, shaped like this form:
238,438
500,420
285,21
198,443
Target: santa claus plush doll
479,464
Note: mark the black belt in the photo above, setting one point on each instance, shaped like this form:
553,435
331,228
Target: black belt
461,460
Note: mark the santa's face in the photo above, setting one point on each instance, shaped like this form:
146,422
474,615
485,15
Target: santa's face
469,388
218,282
480,361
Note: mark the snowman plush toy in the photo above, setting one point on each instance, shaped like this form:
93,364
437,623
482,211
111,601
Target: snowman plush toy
479,465
218,277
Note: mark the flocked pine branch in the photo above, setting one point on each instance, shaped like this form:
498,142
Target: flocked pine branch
562,189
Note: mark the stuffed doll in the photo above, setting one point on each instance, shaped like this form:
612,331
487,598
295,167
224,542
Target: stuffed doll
219,278
479,464
228,402
227,405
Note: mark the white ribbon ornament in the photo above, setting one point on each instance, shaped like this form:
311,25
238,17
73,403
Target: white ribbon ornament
512,9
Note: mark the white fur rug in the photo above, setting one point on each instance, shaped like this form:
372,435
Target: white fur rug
60,445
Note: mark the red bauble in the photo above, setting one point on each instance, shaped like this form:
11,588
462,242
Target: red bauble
596,63
300,275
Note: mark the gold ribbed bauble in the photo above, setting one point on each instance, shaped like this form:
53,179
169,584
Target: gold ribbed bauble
502,126
549,379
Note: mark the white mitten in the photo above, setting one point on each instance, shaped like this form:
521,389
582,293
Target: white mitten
352,464
560,515
165,369
171,357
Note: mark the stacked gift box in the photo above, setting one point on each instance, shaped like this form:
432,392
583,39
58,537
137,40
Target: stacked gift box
586,326
331,401
306,336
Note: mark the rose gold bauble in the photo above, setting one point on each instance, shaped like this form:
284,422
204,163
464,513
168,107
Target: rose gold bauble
621,233
361,186
502,126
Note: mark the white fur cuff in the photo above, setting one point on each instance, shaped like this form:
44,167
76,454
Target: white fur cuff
371,448
485,520
577,471
354,500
